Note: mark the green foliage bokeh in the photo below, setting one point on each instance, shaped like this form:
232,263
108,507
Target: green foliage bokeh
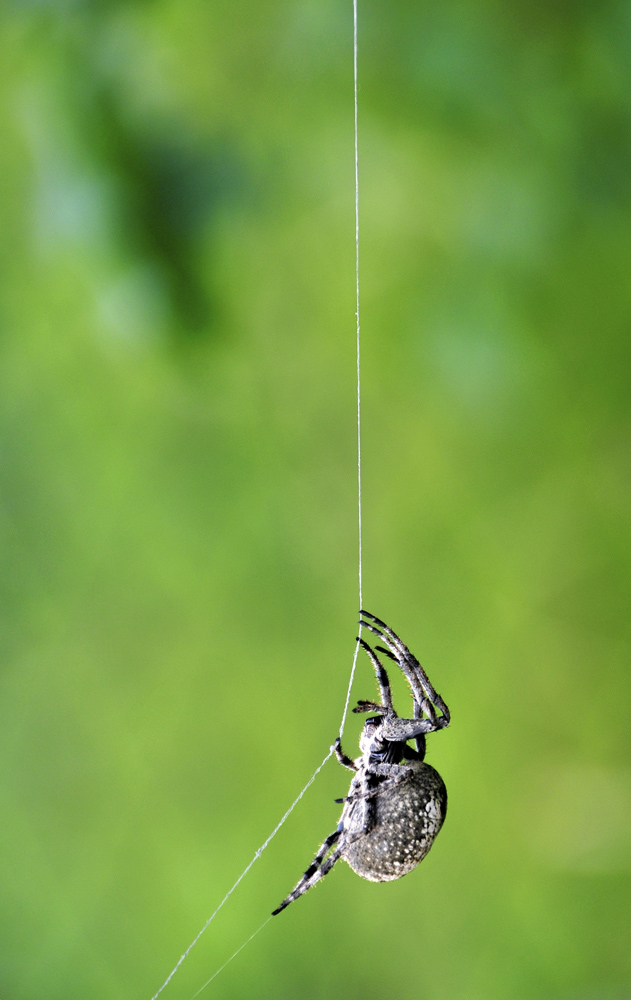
178,519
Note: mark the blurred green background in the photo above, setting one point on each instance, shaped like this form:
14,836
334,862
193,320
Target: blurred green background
177,412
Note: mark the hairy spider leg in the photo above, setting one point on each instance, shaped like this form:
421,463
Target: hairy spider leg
396,644
372,785
421,702
392,653
388,780
414,668
424,705
368,706
362,796
341,756
415,732
323,870
382,677
316,870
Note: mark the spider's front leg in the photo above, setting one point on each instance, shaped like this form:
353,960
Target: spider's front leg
401,730
426,698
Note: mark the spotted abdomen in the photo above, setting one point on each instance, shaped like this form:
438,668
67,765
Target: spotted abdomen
408,816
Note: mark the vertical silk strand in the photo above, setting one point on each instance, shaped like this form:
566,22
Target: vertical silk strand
358,366
359,422
359,525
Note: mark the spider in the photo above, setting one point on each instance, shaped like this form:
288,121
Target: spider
396,802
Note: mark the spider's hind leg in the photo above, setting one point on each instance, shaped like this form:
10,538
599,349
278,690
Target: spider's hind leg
304,886
316,870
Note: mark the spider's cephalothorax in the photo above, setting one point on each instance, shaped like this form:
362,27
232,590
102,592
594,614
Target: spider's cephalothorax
396,803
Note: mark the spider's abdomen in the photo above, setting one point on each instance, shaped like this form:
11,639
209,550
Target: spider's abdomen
408,816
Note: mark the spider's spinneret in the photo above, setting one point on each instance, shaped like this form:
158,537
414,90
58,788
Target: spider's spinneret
396,803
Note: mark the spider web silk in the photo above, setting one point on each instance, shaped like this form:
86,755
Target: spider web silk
361,603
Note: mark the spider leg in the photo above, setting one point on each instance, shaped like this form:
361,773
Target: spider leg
426,698
362,796
419,753
397,646
421,702
417,692
315,870
341,756
399,730
424,705
373,786
303,887
371,792
382,677
368,706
